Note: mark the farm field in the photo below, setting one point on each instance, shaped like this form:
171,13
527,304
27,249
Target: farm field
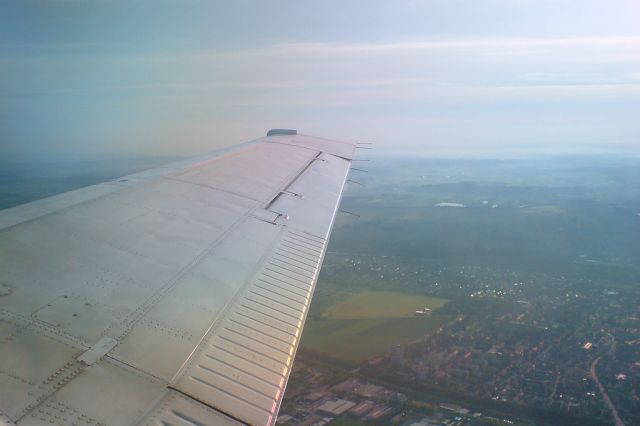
365,324
381,304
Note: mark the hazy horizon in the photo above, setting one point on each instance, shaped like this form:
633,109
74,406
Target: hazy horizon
92,80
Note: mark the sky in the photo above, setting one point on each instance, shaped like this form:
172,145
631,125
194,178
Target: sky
85,79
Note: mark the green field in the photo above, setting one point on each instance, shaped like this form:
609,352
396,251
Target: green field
363,325
381,304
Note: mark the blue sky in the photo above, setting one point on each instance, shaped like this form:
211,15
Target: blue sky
87,79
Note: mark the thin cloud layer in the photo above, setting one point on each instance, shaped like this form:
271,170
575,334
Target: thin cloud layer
107,95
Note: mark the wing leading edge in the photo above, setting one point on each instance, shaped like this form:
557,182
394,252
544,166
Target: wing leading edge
174,296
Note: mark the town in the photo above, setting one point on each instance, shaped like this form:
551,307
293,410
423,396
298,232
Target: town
517,348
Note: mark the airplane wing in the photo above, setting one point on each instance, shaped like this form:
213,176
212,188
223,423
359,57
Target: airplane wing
175,296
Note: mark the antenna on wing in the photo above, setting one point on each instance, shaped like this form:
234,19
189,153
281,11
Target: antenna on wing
359,145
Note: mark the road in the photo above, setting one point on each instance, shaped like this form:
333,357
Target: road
603,392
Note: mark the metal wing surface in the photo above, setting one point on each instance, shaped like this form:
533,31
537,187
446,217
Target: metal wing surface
174,296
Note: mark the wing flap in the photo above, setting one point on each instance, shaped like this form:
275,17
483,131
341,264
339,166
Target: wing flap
244,333
177,409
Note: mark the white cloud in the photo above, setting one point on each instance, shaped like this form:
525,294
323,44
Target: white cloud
462,43
467,70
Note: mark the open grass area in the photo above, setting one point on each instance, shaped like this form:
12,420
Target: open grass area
361,339
363,325
381,304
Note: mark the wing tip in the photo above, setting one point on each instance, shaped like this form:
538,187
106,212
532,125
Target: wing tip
275,132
